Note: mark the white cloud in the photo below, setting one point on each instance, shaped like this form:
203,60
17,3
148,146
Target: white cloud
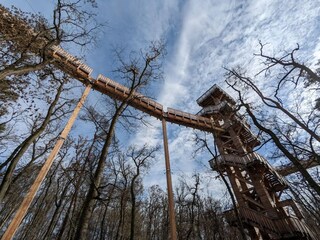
216,34
316,53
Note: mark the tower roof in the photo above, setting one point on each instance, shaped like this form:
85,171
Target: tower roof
214,92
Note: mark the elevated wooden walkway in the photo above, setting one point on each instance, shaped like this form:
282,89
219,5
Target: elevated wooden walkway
283,228
117,91
253,179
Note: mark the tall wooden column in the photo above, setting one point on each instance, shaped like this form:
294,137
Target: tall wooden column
22,211
172,220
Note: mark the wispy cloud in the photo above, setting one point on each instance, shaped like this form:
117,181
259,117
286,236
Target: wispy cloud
213,34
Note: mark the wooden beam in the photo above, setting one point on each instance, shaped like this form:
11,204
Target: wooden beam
22,211
172,220
290,168
253,201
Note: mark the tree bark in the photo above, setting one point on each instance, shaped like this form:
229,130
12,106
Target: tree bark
18,71
133,204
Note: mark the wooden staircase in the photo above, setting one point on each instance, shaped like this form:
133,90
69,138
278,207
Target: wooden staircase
252,162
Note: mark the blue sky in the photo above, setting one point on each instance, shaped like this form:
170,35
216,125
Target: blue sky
202,37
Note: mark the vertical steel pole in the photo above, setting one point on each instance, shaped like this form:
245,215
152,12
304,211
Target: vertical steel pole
172,220
20,214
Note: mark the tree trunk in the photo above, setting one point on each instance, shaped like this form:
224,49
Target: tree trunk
56,212
83,225
292,158
17,71
23,147
133,204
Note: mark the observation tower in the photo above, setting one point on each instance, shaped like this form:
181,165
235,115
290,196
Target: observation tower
256,185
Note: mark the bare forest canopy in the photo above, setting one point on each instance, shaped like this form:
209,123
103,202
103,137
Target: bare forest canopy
94,189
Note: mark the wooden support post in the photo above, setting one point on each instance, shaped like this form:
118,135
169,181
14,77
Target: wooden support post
172,220
20,214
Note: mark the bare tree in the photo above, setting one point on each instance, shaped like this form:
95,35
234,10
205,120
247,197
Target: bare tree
40,125
141,161
156,214
138,73
293,127
26,38
202,143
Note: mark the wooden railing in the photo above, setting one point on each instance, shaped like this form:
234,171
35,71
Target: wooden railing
213,108
137,100
188,116
70,60
252,217
239,160
286,227
190,120
292,226
116,86
276,180
259,219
